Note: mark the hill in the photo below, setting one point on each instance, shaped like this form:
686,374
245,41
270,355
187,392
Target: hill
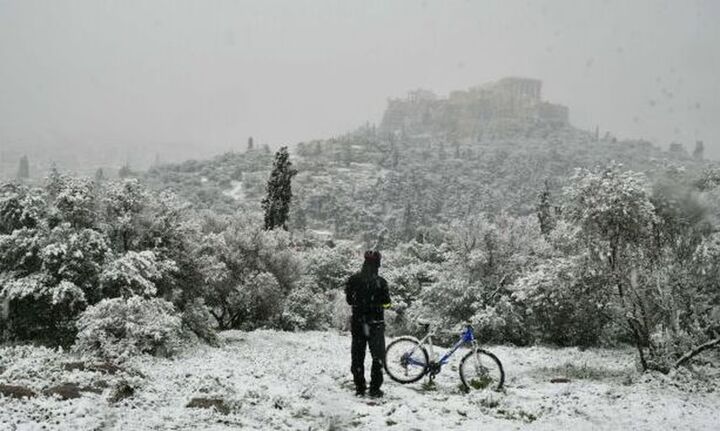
488,149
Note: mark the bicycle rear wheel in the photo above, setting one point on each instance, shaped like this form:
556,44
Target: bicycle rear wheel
481,370
406,361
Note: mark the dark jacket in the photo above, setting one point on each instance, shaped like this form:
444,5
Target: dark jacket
368,296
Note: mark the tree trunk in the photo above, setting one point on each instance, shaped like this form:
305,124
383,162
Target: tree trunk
220,320
634,324
638,345
696,351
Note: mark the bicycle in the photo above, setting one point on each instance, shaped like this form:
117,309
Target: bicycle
407,361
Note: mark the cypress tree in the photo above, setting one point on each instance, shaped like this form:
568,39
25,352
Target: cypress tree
279,193
544,211
54,181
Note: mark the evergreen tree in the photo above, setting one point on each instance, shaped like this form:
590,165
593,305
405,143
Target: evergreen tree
250,144
54,181
99,175
544,211
277,203
24,169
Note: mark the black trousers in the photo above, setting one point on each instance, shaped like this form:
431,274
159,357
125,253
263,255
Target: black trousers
364,335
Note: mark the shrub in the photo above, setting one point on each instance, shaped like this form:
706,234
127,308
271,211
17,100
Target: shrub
76,202
36,309
119,328
330,267
563,305
502,322
197,319
305,307
135,274
262,300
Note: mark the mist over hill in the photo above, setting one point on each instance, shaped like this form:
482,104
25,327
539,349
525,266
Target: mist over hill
489,149
194,192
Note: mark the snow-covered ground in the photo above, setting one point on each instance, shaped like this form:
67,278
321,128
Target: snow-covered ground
271,380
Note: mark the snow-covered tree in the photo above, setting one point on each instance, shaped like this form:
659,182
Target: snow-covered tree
76,202
135,274
123,203
279,191
544,209
121,328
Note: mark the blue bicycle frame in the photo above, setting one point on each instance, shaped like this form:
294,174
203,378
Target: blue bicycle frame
467,337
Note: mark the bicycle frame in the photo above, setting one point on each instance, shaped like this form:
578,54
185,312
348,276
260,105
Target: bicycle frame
467,337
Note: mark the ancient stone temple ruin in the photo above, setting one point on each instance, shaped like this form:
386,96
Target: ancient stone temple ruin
509,105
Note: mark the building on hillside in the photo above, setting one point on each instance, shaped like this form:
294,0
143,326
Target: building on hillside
514,103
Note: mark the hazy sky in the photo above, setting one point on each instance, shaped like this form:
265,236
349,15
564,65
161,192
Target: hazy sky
210,73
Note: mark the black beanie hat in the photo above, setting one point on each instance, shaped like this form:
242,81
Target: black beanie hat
373,256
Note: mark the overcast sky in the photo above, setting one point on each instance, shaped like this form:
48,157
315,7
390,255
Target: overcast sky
210,73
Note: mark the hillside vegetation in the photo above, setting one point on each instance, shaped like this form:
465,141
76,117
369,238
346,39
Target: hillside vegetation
533,230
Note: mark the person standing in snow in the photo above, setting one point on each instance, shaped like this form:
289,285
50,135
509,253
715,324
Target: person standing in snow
368,295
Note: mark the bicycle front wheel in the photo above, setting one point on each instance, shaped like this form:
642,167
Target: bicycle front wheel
481,370
406,361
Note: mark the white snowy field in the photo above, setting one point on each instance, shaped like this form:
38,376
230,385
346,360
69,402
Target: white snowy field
270,380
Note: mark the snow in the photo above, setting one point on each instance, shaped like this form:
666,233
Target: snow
320,233
301,381
236,191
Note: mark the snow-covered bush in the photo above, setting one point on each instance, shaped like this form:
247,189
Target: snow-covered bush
502,322
20,208
307,307
262,300
119,328
409,267
20,250
76,202
135,273
251,273
35,308
449,301
562,305
340,312
330,267
77,256
76,242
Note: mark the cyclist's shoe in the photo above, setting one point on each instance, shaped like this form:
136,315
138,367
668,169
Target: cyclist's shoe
376,393
360,392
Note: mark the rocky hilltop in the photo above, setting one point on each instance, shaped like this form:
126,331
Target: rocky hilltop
506,107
